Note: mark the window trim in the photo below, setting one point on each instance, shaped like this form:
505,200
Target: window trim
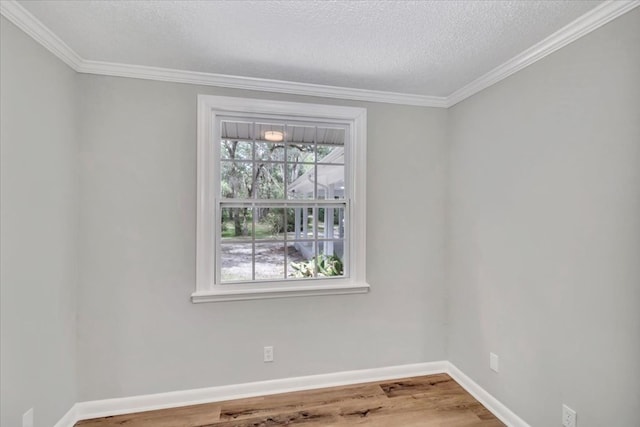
208,109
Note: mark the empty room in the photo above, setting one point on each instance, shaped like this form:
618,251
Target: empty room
320,213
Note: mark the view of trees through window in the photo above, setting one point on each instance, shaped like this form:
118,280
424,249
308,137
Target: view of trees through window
282,205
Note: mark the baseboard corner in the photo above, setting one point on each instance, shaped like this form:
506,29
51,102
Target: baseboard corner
70,418
496,407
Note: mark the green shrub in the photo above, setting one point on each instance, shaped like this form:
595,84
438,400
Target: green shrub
274,219
328,265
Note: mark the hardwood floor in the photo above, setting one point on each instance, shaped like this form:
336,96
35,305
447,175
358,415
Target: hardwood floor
429,401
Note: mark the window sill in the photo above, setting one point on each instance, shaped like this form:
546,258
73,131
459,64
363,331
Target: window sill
277,292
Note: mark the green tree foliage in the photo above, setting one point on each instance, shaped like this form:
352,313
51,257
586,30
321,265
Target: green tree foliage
264,178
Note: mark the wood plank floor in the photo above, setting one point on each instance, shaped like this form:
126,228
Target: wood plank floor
429,401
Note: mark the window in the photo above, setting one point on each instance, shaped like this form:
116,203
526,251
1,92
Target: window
281,199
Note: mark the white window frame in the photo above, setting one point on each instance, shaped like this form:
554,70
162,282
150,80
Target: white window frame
210,108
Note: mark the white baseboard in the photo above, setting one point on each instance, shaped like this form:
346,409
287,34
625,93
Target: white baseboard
496,407
103,408
124,405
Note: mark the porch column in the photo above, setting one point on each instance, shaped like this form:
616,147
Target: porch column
305,221
328,221
297,224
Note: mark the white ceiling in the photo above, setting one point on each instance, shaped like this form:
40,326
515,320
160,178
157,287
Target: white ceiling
427,48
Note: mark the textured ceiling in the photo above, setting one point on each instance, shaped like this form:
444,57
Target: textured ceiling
418,47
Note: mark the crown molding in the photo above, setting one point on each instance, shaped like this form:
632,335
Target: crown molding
597,17
28,23
24,20
258,84
590,21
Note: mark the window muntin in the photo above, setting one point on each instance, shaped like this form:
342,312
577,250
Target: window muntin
282,200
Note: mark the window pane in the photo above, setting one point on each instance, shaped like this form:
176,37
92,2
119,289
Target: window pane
270,132
236,130
236,223
270,223
270,180
301,134
270,151
298,152
301,223
330,136
269,261
236,150
330,154
237,261
235,179
330,223
295,257
330,145
330,182
330,258
301,263
300,181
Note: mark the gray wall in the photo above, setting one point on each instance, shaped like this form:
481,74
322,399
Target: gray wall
138,331
542,258
544,261
39,219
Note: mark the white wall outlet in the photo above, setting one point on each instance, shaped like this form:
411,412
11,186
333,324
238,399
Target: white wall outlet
268,354
493,361
27,418
568,417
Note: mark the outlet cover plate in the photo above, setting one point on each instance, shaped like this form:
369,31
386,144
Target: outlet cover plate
268,354
493,362
568,417
27,418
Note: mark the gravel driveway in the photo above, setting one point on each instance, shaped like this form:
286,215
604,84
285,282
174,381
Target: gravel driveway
236,260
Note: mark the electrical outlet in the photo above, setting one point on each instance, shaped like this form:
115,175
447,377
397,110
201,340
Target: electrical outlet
493,362
268,354
568,417
27,418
